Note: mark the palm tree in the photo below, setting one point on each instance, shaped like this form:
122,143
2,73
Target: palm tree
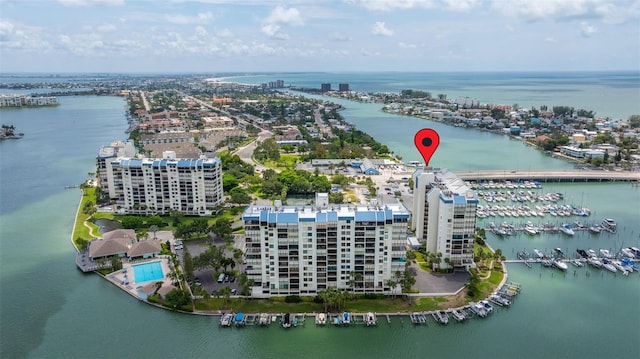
392,285
153,228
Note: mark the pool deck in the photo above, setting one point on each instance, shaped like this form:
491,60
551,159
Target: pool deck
125,279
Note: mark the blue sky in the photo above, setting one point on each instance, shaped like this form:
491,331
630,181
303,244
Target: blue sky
318,35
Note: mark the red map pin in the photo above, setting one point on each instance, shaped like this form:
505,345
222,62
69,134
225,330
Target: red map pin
426,141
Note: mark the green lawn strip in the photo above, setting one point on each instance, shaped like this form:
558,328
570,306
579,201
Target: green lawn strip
428,303
79,229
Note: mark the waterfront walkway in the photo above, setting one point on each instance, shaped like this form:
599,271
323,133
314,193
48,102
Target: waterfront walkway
550,176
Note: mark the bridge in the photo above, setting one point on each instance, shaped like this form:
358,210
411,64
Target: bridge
550,176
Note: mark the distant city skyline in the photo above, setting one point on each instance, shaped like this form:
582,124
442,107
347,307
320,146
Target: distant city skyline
181,36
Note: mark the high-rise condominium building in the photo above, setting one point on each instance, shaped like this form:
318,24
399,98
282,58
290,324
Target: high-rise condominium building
306,249
159,185
444,216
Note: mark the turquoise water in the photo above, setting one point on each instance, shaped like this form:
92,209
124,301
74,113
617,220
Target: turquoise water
49,309
147,271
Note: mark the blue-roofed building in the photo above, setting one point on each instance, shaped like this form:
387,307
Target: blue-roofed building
150,186
306,249
444,216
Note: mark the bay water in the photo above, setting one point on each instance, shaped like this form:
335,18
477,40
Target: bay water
49,309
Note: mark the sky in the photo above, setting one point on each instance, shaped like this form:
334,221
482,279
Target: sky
318,35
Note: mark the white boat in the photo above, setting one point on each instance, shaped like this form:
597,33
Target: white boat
577,263
616,263
321,319
370,319
264,319
628,252
487,306
566,229
226,320
610,267
592,253
458,315
478,309
594,262
530,231
346,318
560,264
441,317
605,253
538,253
609,224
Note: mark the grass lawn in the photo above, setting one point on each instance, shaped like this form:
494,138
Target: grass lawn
276,305
79,229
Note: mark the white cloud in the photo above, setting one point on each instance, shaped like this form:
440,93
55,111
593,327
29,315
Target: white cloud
337,36
91,2
587,30
107,28
388,5
280,15
609,11
201,18
403,45
224,33
201,31
380,29
461,5
550,39
273,31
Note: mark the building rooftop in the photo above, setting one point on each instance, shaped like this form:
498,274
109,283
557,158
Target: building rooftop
331,213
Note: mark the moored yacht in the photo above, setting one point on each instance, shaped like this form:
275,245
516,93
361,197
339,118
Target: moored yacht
566,229
628,252
609,224
605,253
321,319
370,319
594,262
538,253
458,315
560,264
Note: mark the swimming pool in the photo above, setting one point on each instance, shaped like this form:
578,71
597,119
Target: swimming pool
147,271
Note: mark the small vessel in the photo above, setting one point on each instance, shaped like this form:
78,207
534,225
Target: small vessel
370,319
294,320
458,315
594,262
592,253
440,317
226,320
609,224
595,229
605,253
577,263
628,252
608,265
538,253
478,309
560,264
264,319
559,252
346,318
582,253
487,306
240,319
321,319
286,320
567,229
500,300
636,251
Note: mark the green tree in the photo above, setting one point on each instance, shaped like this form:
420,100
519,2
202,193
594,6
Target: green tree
634,121
188,265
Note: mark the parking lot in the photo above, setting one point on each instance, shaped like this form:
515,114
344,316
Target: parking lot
207,278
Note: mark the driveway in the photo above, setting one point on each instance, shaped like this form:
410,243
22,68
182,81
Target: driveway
427,282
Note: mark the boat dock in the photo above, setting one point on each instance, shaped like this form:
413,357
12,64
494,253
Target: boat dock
418,318
550,176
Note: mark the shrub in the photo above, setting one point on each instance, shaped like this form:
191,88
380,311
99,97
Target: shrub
292,299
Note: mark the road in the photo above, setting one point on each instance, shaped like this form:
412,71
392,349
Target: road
245,152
